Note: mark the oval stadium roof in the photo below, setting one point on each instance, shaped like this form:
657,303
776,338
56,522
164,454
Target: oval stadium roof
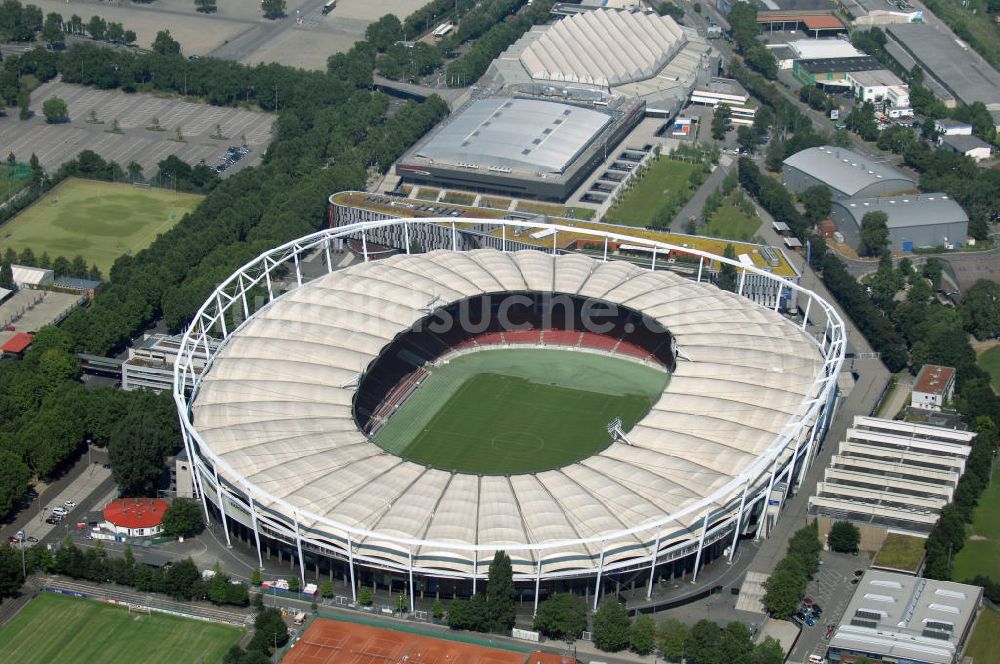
276,406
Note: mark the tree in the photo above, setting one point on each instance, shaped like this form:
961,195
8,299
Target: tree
735,644
747,138
6,276
719,121
500,593
273,8
183,518
365,596
874,233
164,44
205,6
562,616
134,171
269,630
37,172
326,589
775,155
294,585
705,643
611,626
55,110
402,602
816,200
97,28
52,30
784,588
139,443
844,537
768,651
437,609
14,479
727,272
255,576
181,579
642,634
671,638
11,578
980,309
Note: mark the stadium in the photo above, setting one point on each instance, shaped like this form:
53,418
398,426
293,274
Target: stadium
402,419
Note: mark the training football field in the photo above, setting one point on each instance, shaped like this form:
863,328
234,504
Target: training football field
97,220
513,411
56,628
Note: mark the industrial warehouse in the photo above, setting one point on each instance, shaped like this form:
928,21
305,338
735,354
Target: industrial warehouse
846,173
915,221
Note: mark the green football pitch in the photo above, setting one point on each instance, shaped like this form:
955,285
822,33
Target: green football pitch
67,630
97,220
511,411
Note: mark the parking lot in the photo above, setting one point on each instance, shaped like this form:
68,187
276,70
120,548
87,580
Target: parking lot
198,123
831,588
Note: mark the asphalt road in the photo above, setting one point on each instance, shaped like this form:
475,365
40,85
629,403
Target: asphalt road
260,34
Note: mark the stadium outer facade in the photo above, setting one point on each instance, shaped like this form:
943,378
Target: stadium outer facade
737,503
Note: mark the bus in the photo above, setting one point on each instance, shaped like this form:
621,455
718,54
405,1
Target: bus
442,30
328,7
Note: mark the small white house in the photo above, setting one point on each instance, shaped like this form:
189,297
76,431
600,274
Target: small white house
934,387
949,127
970,146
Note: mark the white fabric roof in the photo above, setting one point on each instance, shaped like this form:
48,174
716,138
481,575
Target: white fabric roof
603,47
275,407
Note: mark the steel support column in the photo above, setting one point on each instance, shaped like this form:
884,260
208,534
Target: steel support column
600,571
350,564
805,317
701,546
652,567
701,264
410,570
222,505
298,270
298,546
538,583
454,237
256,529
652,266
406,236
767,498
364,244
739,522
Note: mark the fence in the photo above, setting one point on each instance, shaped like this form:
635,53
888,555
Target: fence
144,601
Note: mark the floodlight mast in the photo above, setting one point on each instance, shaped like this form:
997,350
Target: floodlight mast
616,431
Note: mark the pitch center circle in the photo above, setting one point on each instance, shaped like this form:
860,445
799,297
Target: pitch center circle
520,443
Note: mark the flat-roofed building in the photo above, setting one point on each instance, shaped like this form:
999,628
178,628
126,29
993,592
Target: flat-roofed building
832,71
896,617
25,276
949,63
150,365
880,85
847,174
819,49
889,475
933,388
518,147
915,220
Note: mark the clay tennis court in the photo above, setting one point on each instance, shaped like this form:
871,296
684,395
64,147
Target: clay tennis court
334,642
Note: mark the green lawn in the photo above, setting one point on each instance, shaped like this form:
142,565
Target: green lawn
729,222
519,410
981,553
985,641
990,362
665,182
67,630
97,220
902,552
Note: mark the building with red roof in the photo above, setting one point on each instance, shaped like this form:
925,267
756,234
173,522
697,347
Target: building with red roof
933,388
17,344
135,517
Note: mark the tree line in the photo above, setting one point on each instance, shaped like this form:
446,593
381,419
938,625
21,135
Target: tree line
24,23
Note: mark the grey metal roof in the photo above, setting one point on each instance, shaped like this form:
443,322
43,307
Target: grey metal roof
515,133
843,169
964,143
908,210
829,65
961,70
907,617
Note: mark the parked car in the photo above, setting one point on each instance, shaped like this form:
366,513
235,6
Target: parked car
70,504
52,520
13,539
31,538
